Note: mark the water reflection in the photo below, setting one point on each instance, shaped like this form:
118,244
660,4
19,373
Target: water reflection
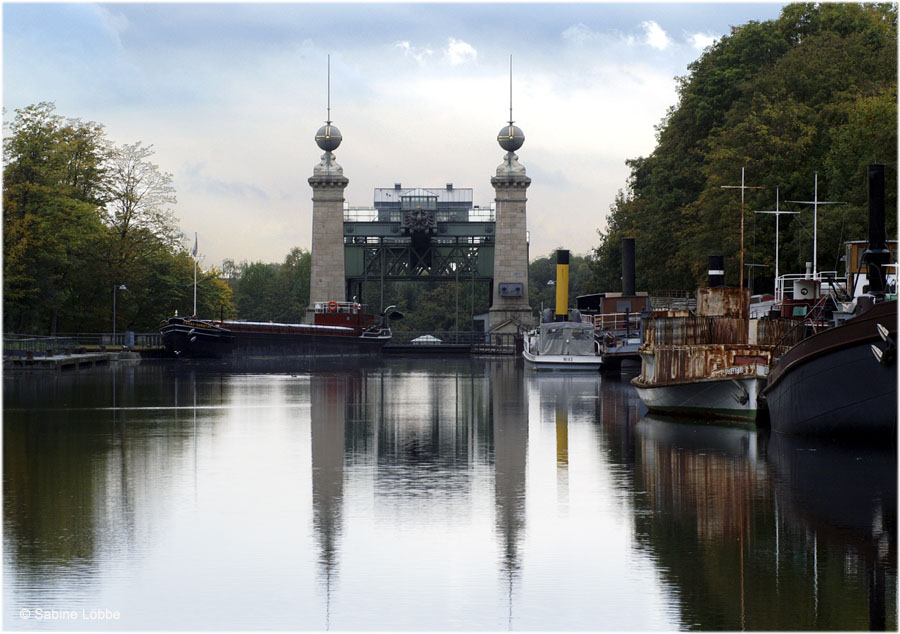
720,515
509,418
844,498
330,396
417,494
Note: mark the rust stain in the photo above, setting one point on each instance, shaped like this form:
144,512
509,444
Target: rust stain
722,301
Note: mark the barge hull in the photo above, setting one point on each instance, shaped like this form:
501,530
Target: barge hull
846,391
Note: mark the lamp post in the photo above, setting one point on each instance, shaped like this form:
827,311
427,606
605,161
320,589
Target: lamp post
116,287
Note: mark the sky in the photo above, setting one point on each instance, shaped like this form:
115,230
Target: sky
230,97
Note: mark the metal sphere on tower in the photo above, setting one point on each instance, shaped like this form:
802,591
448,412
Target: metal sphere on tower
328,138
510,137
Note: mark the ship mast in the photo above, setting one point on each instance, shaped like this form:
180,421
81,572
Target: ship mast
742,187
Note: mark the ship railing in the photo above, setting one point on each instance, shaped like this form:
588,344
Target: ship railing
827,283
618,321
351,308
809,325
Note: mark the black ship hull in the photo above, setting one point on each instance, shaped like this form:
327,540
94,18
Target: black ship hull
185,338
195,338
832,384
259,344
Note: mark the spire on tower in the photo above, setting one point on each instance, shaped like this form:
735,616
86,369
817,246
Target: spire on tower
510,137
328,137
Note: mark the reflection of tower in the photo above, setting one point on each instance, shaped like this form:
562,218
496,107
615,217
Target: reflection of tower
510,423
509,306
328,183
328,397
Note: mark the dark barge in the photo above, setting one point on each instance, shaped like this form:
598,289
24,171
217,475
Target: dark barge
843,380
833,382
338,329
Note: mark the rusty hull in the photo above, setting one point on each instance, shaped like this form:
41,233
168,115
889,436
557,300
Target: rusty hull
677,364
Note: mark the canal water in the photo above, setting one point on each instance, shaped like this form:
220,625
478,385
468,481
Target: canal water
419,494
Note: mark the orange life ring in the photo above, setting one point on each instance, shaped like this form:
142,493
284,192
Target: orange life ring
332,306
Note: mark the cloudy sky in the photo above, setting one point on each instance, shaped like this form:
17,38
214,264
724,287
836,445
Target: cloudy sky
231,95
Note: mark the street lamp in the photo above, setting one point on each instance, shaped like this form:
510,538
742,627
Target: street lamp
116,287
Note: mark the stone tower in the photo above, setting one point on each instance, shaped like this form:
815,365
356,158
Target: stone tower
510,311
327,254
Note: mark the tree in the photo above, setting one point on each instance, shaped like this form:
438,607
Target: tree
814,91
138,199
52,188
80,216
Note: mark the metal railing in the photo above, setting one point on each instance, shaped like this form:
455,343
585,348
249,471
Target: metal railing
812,323
477,341
371,214
37,346
618,321
673,300
464,337
70,343
827,282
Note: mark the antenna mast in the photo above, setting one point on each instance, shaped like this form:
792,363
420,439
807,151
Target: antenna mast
510,90
328,120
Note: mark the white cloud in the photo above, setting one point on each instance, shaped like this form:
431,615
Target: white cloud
701,40
417,53
578,34
459,52
656,36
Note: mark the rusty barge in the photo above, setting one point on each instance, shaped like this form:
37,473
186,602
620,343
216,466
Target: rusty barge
709,362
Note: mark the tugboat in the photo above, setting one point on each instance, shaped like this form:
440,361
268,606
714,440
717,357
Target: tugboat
338,329
562,342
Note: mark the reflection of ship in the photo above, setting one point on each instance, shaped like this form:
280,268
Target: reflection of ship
703,364
338,328
562,342
846,496
761,531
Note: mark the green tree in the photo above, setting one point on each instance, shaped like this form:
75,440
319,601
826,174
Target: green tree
52,189
256,295
81,216
292,286
814,91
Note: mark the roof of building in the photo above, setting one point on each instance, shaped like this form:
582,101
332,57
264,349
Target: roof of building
447,194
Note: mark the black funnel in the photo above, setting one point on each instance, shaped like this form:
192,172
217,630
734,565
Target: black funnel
716,270
877,255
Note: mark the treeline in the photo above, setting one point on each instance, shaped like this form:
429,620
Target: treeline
270,291
83,217
814,91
